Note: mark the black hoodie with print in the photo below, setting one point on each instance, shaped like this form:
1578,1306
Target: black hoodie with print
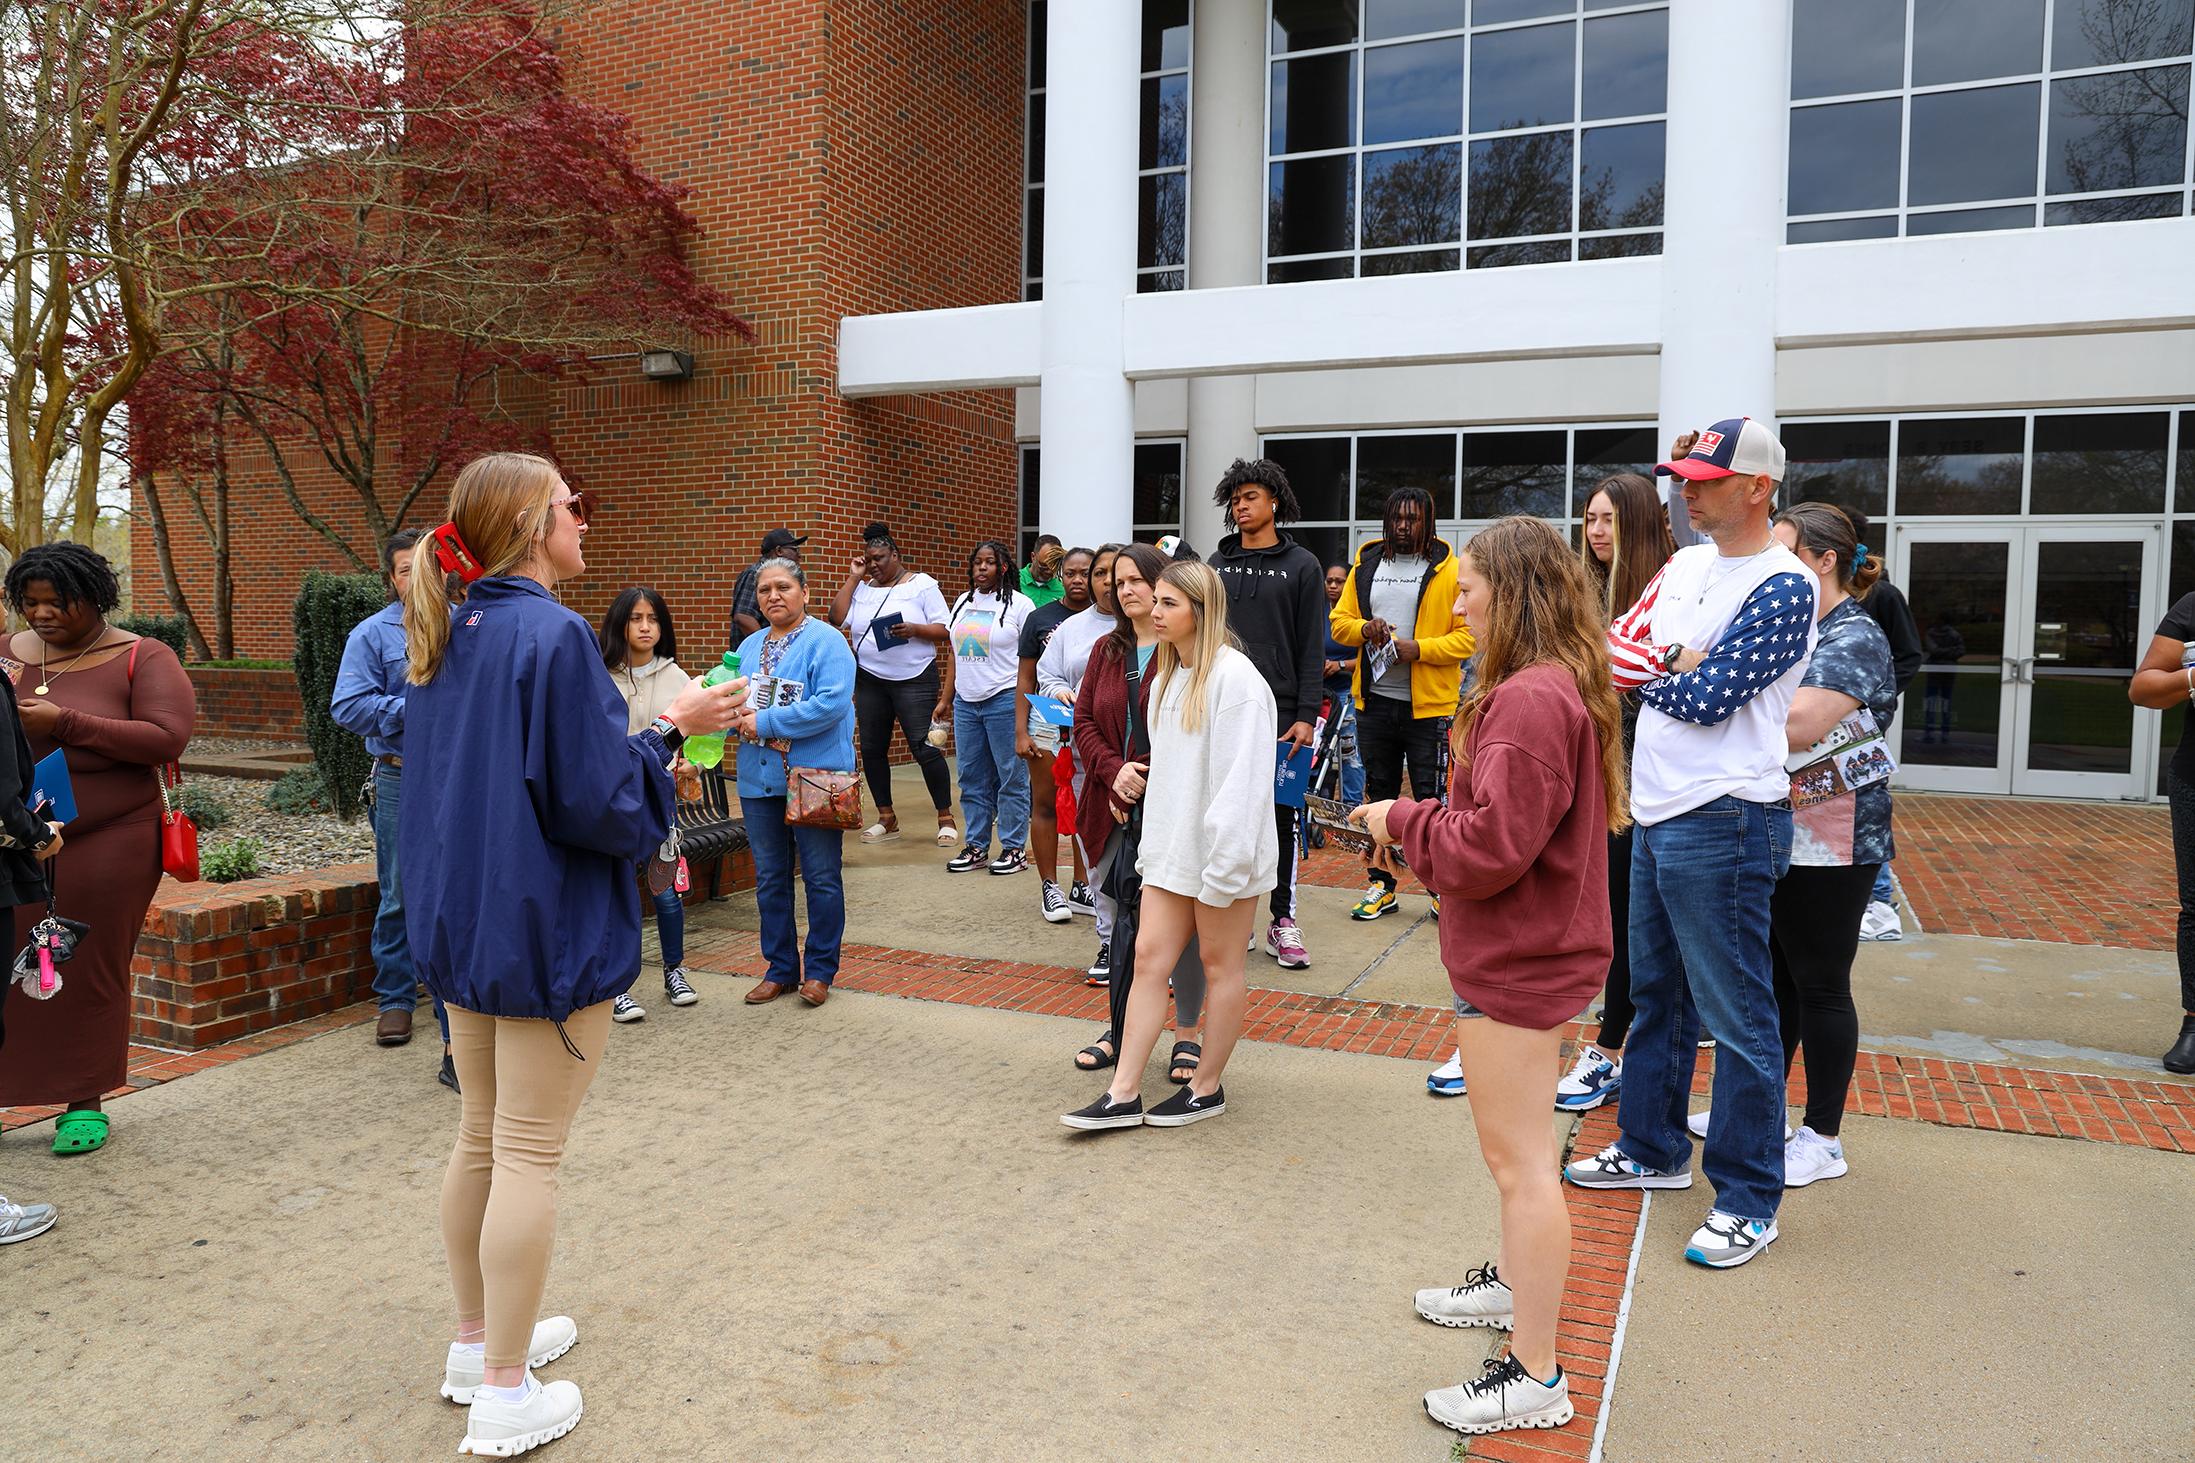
1276,605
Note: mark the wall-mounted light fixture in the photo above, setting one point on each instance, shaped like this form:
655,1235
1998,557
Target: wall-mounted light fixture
666,365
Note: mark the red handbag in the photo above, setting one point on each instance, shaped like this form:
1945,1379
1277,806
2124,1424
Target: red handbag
178,832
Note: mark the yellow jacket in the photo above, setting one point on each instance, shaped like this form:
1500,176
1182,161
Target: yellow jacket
1444,642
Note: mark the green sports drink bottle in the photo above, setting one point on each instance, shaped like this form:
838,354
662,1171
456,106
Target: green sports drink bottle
708,750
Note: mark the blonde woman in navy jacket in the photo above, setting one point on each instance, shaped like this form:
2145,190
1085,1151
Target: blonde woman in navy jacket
526,806
813,727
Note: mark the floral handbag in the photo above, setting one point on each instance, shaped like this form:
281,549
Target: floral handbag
815,798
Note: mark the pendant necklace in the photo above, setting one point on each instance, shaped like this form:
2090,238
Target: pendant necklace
43,687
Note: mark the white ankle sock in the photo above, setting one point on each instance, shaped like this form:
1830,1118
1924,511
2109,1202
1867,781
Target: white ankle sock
518,1393
477,1348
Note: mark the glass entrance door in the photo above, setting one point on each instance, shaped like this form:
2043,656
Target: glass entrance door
2029,635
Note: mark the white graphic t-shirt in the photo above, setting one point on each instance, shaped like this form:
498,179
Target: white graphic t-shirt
986,643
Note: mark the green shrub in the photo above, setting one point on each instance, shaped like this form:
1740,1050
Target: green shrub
299,792
206,810
243,663
329,607
232,859
172,630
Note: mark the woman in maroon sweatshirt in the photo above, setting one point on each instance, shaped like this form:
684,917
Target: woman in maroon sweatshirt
1538,783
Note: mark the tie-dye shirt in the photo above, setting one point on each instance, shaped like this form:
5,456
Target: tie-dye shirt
1851,655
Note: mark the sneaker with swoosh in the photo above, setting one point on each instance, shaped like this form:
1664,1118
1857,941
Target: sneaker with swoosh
1610,1169
1726,1240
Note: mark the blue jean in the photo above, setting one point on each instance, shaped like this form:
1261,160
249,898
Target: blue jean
994,782
1885,891
1700,889
822,854
395,982
1347,754
670,927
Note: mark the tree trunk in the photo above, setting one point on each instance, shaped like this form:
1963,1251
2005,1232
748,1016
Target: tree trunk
163,549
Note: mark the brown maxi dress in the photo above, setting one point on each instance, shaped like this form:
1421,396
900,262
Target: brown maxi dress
118,727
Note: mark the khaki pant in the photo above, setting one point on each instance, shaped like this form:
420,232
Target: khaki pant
522,1087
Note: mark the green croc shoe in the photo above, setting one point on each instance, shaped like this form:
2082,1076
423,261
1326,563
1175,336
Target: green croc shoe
80,1131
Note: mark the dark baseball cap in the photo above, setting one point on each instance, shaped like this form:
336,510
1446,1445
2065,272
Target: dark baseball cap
781,538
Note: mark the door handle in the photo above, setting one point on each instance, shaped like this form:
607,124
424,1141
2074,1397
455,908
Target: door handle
2011,670
2027,670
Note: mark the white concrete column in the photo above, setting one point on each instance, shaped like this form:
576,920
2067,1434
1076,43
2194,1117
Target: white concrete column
1723,213
1226,233
1086,416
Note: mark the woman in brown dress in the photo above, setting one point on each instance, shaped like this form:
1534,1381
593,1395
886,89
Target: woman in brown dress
121,706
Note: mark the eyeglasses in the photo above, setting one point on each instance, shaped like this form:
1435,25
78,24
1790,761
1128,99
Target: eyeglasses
581,505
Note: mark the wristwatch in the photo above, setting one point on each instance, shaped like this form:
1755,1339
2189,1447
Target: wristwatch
672,737
1669,654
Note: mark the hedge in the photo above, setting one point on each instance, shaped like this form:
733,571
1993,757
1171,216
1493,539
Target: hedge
171,630
329,607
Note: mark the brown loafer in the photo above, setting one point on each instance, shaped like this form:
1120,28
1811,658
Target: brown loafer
814,992
766,991
394,1028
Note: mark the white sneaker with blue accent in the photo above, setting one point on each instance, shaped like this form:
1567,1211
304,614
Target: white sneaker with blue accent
1503,1398
1591,1082
1446,1080
1808,1157
1726,1240
1609,1169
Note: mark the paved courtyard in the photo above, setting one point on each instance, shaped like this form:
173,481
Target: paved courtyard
859,1232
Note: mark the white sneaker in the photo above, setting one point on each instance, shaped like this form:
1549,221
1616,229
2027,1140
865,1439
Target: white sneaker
24,1221
1501,1399
1808,1156
1696,1125
1054,904
1594,1080
1446,1080
551,1339
1482,1300
1881,923
1726,1240
498,1429
1609,1169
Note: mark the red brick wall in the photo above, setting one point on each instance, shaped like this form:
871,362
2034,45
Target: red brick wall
845,156
247,703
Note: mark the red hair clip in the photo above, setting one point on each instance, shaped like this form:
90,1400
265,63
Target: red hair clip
450,552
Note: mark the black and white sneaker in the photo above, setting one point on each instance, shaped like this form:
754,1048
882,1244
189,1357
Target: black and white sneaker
1080,901
1609,1169
1506,1396
1101,969
1055,904
969,859
1726,1240
625,1010
677,988
1010,861
1185,1107
1106,1113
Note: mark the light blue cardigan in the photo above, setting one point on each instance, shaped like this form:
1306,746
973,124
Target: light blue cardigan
820,726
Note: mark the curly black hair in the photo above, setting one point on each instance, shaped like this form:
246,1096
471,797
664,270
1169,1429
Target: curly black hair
76,572
1009,572
1268,475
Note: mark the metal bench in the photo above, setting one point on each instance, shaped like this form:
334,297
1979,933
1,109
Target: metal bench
710,829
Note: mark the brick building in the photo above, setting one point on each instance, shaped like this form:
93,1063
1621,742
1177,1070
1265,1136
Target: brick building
845,158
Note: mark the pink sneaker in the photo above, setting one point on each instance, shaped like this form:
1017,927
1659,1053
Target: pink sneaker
1284,942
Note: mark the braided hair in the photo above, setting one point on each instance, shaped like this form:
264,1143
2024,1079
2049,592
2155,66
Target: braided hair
77,573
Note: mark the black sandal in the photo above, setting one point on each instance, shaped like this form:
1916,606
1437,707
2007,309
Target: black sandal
1180,1068
1100,1057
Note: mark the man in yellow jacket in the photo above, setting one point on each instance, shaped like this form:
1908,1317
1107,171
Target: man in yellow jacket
1399,611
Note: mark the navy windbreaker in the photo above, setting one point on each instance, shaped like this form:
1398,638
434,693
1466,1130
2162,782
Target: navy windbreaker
525,810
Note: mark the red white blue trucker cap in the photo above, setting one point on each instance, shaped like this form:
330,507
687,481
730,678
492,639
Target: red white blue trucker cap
1734,445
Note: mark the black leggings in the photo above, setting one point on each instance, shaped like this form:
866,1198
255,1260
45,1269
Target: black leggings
1814,917
2182,797
1616,1007
878,704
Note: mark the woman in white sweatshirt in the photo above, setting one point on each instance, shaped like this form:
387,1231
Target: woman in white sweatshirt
640,647
1209,849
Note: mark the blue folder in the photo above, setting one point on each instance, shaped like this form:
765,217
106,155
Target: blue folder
881,629
1052,711
1292,777
49,782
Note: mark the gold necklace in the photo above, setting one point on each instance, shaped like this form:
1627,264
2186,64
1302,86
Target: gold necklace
43,687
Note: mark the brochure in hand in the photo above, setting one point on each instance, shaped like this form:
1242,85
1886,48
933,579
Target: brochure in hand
49,783
1332,815
1052,710
1292,776
881,629
1853,754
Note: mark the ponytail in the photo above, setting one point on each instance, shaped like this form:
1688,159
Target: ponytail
497,506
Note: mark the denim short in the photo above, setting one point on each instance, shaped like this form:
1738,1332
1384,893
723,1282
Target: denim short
1464,1008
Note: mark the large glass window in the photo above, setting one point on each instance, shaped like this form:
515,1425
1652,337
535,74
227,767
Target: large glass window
1343,480
1155,493
1406,136
1957,116
1162,151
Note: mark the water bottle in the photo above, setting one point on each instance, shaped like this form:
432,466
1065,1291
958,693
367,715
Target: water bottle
708,749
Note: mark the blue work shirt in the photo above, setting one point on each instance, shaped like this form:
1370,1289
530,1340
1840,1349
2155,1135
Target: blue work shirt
370,685
526,807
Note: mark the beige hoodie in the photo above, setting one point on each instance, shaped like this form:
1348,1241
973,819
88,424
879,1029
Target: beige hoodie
648,690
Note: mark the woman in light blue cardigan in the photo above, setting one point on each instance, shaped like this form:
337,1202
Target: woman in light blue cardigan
815,729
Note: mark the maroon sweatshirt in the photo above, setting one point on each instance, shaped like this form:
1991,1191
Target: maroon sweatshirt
1100,733
1520,855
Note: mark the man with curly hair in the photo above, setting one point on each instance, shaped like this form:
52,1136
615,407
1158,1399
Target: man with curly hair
1276,605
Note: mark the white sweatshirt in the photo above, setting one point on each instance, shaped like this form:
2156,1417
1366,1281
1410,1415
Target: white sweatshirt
1208,812
1067,654
649,690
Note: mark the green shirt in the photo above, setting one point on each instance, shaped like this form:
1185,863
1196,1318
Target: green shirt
1051,591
